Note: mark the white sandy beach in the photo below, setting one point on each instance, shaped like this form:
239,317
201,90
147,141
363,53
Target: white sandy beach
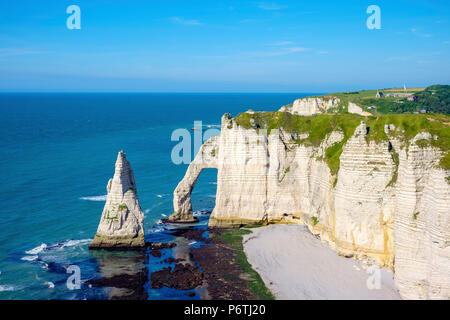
294,264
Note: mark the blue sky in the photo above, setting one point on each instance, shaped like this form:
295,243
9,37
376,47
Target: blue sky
222,46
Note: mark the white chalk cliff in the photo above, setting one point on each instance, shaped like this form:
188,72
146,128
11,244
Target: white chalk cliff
354,108
310,106
390,208
121,224
319,105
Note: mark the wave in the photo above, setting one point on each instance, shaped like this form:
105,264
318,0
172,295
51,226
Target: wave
147,211
212,182
71,243
37,250
201,213
51,285
162,195
33,253
95,198
7,287
29,258
156,230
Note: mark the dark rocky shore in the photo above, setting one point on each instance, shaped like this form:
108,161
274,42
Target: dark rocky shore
211,269
226,278
216,265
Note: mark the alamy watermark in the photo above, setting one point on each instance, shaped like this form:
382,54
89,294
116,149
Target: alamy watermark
204,153
74,281
374,280
74,20
182,151
374,20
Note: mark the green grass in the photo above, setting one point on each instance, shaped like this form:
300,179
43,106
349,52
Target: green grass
234,238
415,215
396,159
423,143
367,98
114,218
407,126
332,156
317,126
435,99
315,220
123,206
286,171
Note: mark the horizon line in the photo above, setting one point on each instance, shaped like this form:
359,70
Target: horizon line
171,92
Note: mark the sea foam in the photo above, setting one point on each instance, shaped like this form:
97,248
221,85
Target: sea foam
7,287
29,258
32,254
95,198
37,250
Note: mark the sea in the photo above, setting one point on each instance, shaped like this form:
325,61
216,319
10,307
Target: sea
57,153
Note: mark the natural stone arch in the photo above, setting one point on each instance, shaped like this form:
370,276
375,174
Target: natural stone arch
207,157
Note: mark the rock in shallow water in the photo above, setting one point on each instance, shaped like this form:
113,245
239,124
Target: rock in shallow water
182,277
121,225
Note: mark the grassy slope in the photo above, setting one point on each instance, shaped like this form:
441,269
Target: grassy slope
435,98
234,238
319,126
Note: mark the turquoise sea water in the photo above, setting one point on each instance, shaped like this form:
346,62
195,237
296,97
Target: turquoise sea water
57,152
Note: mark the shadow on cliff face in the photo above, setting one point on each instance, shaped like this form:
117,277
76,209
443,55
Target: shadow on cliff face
122,274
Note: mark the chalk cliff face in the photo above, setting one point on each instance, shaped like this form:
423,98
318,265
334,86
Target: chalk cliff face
422,225
389,202
310,106
121,224
319,105
354,108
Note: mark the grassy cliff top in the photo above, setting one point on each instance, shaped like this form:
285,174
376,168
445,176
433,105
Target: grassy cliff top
434,99
407,126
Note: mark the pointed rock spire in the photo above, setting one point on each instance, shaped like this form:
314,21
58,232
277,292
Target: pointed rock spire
121,224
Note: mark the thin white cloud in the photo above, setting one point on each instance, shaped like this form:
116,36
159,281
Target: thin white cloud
185,22
281,52
446,42
399,58
10,52
271,6
282,43
322,52
297,49
414,57
417,32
